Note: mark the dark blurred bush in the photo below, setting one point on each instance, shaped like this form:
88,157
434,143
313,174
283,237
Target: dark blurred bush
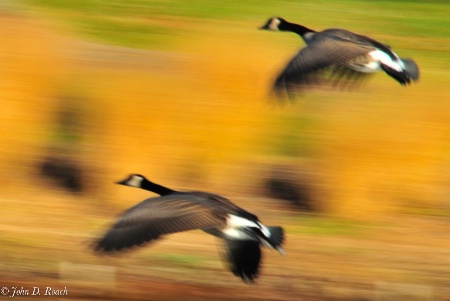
62,161
291,184
65,172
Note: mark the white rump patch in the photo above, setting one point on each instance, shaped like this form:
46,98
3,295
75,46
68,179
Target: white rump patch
234,221
237,234
264,230
375,59
385,59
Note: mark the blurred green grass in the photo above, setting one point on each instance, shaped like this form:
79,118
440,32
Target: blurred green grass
186,260
155,24
296,140
328,226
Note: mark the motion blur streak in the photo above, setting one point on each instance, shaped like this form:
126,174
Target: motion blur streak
93,90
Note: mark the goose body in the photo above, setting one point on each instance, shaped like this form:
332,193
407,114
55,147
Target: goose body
345,53
175,211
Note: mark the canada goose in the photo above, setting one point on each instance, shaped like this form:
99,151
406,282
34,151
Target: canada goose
347,55
176,211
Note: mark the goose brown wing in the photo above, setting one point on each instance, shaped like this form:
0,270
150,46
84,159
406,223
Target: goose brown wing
225,205
154,217
384,47
328,52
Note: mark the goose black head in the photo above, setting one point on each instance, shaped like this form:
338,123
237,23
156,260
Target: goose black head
273,24
134,180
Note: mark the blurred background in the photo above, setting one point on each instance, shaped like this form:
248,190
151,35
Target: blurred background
92,91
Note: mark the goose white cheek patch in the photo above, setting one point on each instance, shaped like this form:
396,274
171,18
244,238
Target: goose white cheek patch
274,24
135,181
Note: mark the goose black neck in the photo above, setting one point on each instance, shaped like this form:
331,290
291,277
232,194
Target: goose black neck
297,28
156,188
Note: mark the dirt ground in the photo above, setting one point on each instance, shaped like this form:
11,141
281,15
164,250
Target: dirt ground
401,257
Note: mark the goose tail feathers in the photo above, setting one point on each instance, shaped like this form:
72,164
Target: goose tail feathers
411,68
277,238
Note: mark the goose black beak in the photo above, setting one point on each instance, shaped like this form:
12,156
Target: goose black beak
124,182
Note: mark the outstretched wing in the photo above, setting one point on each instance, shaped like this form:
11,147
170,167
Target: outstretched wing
158,216
327,53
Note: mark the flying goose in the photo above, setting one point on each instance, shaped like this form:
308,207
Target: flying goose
176,211
342,53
